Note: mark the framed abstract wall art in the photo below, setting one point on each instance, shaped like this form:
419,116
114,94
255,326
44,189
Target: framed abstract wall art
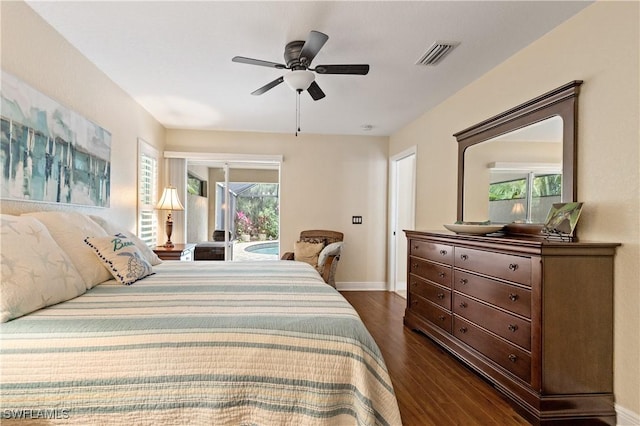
49,153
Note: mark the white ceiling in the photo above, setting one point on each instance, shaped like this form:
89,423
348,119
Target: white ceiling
174,57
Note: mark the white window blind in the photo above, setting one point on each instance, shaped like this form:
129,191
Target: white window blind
147,193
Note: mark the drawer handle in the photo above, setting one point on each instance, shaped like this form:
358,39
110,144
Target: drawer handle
462,330
513,297
464,281
513,266
416,247
440,295
512,358
441,318
414,284
512,328
414,303
443,252
442,275
464,257
415,266
463,305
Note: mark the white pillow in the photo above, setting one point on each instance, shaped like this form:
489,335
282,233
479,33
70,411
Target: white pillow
121,256
113,229
69,229
330,250
36,272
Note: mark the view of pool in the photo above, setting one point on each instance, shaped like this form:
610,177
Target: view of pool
264,248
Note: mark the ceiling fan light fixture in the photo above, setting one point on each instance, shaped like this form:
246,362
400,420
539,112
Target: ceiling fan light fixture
299,79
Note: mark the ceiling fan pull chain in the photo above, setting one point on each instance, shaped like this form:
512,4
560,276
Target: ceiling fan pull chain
298,111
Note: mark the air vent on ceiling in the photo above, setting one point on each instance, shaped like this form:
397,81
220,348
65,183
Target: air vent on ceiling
436,52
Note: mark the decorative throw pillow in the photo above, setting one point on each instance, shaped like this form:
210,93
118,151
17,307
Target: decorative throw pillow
113,229
332,249
121,256
36,272
304,251
69,229
323,241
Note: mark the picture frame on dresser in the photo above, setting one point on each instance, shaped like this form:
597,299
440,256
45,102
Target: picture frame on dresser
562,219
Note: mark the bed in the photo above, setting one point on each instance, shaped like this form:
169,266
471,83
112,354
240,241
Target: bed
238,343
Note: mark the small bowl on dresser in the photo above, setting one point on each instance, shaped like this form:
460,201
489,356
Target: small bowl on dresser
473,229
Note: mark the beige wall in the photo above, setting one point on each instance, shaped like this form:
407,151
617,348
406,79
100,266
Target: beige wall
36,54
324,181
600,46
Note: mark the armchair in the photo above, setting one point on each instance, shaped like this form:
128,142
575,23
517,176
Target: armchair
327,255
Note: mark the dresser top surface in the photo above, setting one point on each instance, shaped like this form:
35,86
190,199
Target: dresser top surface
500,239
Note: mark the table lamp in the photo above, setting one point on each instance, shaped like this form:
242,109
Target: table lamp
169,201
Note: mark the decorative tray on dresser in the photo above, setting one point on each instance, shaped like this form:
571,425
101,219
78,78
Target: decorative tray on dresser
532,316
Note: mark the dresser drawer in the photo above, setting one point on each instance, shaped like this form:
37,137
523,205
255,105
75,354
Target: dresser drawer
509,297
512,328
505,266
507,355
440,274
436,252
431,312
436,294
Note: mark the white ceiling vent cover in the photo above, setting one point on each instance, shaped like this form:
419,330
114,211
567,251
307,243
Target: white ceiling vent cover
436,52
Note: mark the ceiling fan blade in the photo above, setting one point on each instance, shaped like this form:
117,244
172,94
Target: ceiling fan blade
312,46
315,91
251,61
268,86
361,69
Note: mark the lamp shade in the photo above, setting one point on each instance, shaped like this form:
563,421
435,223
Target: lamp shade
518,208
299,79
169,200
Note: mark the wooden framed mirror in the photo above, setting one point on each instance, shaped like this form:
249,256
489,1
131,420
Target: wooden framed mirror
498,144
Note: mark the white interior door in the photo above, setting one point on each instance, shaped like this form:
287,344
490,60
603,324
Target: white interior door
402,207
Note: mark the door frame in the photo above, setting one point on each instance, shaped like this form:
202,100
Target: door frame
393,211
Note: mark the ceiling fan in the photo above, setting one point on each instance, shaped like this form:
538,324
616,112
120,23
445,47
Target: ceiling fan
298,56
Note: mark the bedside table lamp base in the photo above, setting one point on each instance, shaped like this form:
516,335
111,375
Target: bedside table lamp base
168,228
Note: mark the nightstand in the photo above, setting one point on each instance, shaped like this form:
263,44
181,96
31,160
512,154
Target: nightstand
178,252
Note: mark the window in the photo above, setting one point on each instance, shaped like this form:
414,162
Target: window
148,158
196,186
524,199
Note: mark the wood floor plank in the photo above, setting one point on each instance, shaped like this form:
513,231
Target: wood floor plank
431,386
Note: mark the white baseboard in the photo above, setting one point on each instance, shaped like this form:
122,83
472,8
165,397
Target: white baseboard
626,417
362,286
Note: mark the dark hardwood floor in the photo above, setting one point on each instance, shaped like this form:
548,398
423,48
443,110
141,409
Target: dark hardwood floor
432,388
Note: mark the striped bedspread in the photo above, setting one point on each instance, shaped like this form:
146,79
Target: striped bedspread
215,343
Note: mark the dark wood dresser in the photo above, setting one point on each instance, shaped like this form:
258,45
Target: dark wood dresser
533,316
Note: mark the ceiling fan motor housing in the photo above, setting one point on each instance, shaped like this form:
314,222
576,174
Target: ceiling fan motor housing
292,55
